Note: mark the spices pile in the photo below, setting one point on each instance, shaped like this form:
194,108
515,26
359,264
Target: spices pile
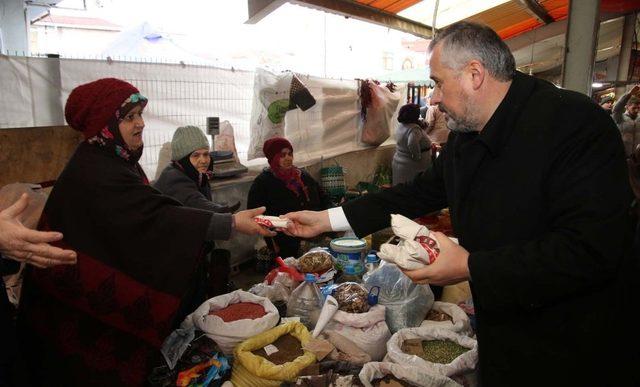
285,349
240,311
434,351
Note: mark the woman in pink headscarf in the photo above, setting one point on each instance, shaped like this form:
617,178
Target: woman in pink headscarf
281,188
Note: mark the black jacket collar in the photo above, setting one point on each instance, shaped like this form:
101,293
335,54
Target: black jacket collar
499,127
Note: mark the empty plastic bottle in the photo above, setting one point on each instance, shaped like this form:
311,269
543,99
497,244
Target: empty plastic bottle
372,263
306,302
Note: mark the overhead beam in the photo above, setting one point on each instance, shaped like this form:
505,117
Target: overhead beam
259,9
537,11
369,14
537,35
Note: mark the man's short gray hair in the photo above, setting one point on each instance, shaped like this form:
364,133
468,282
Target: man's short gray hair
465,41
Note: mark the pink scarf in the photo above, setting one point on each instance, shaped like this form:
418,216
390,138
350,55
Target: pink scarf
292,177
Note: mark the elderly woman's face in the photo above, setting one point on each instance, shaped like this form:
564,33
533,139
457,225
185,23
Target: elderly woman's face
286,158
131,128
200,159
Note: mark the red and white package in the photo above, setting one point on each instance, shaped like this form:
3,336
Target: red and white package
417,247
271,221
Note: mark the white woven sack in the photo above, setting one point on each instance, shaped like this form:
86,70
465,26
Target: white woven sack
369,331
416,376
460,324
463,367
228,334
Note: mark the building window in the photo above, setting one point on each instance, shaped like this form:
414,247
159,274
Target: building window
387,60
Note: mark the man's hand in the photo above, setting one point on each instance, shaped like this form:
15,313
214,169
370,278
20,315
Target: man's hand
307,224
449,268
635,89
24,245
246,225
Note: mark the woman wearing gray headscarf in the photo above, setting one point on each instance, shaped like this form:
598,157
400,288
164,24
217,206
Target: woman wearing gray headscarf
412,146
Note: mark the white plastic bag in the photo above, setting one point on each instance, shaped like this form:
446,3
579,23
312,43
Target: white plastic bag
228,334
462,369
460,324
417,247
225,141
274,96
406,303
375,125
416,376
369,331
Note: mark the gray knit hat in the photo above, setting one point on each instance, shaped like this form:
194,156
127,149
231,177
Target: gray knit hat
185,140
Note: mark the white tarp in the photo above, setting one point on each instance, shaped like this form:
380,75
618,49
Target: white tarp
182,95
30,92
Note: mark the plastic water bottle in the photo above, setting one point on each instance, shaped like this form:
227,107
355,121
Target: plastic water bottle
306,302
372,263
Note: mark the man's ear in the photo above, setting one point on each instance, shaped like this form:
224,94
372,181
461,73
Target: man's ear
477,72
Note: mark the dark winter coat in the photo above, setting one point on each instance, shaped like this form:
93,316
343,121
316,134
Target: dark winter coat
178,185
215,269
103,320
412,154
540,199
271,192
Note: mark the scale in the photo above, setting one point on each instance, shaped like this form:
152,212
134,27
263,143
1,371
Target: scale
225,163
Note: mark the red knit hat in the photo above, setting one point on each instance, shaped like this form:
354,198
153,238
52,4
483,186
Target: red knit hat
274,145
90,106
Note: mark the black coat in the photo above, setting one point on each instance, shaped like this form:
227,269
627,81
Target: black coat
138,251
271,192
540,200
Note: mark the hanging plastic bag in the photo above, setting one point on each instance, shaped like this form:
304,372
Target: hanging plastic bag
406,303
378,104
274,96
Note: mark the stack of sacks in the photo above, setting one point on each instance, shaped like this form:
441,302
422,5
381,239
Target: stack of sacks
231,318
417,247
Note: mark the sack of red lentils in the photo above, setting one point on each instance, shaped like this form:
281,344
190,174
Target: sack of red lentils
233,317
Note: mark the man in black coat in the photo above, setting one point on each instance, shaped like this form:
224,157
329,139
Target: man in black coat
536,183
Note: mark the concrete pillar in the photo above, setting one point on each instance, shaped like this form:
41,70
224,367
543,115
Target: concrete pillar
580,45
14,27
625,53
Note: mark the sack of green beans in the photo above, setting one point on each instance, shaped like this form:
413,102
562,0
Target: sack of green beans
436,350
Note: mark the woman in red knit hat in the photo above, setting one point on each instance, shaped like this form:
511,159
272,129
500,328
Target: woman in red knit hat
102,321
282,188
